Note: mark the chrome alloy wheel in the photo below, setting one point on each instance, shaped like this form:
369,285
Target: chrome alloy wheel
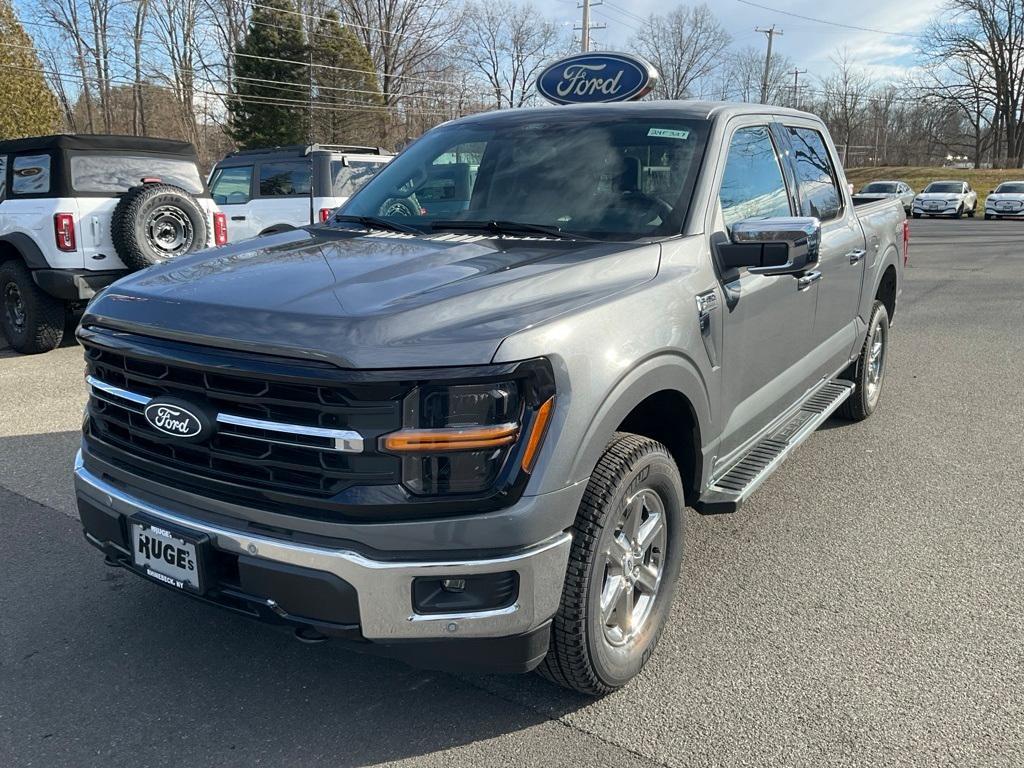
170,231
633,567
876,363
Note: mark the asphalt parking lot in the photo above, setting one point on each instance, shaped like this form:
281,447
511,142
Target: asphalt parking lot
864,609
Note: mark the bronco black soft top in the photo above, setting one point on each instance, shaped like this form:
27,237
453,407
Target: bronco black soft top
94,142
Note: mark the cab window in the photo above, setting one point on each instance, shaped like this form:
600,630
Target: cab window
31,175
232,186
815,175
753,186
284,179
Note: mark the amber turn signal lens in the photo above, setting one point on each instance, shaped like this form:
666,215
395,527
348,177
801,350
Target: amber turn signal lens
540,426
450,439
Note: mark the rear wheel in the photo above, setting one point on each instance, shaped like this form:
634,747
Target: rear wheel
625,560
970,213
32,320
868,372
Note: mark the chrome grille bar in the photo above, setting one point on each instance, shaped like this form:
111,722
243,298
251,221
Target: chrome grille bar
341,440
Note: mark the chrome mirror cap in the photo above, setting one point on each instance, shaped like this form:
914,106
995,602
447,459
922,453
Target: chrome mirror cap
800,234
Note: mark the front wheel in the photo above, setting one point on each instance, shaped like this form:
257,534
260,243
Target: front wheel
868,371
625,559
916,215
959,213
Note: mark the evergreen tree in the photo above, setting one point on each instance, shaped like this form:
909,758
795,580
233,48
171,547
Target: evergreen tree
27,105
345,86
270,90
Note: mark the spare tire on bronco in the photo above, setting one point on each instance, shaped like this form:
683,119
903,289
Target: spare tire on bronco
156,222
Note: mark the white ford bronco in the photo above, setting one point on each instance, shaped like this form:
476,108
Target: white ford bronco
79,212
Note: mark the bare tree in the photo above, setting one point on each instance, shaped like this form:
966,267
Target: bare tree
138,45
506,44
741,76
976,57
685,45
845,93
404,38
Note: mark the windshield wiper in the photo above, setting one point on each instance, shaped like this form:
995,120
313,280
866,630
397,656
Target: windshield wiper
508,228
376,222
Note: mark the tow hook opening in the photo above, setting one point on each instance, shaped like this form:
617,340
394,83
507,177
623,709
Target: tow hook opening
309,635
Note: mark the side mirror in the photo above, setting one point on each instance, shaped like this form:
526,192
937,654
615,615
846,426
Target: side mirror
779,246
991,191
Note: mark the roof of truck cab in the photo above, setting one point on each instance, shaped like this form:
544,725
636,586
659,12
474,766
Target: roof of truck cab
699,110
95,142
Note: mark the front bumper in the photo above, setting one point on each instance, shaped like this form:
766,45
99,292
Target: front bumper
363,598
946,210
993,211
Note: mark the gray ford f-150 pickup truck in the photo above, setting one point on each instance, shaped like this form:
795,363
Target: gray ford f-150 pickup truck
460,423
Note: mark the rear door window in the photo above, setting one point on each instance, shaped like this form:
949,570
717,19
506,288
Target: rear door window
3,176
284,179
815,174
114,174
753,186
31,175
232,186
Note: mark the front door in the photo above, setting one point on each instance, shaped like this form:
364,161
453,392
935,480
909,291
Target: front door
767,319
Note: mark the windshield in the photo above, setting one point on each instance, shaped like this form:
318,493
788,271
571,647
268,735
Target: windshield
1011,188
613,179
945,186
880,187
115,174
348,175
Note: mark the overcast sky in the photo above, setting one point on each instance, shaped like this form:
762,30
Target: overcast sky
808,44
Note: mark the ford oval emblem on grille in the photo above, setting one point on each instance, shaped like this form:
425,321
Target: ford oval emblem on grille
178,419
590,78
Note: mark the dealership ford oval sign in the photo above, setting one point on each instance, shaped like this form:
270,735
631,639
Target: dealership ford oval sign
592,78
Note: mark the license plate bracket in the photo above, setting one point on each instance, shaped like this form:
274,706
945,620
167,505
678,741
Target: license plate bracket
170,554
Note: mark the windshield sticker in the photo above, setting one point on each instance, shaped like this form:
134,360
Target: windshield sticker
669,133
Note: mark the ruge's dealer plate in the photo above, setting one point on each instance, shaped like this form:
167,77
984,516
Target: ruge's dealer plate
166,556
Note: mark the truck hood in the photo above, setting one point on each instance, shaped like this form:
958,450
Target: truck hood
381,300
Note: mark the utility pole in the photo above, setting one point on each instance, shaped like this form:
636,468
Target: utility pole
770,33
586,26
796,84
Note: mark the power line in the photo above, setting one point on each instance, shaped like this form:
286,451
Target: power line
829,23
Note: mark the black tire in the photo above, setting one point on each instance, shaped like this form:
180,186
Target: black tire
865,397
32,320
916,215
988,216
156,222
959,212
581,656
408,207
970,213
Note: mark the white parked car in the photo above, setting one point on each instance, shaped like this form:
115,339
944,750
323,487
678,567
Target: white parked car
1005,200
946,198
79,212
885,190
263,191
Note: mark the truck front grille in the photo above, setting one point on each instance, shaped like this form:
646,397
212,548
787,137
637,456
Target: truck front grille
284,430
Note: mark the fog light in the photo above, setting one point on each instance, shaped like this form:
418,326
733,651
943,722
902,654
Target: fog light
460,594
453,585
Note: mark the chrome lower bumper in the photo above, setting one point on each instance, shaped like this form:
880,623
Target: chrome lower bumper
384,588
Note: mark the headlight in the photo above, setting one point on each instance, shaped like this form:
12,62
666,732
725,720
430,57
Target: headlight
468,437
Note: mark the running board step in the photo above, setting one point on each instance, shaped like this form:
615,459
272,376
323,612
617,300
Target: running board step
732,487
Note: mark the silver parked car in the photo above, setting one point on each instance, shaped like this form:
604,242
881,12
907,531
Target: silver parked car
946,198
1005,200
886,190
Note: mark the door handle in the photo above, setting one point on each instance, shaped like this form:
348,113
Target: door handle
857,255
805,281
238,218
